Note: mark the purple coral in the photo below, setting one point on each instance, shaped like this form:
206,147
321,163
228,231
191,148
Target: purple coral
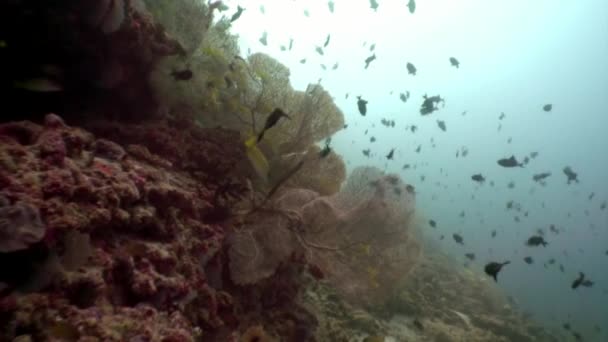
20,226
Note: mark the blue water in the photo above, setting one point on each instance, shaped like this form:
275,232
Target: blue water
515,57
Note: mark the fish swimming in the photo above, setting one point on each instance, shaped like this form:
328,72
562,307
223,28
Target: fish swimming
539,177
470,256
327,40
411,6
432,223
494,233
369,60
366,152
362,105
455,63
373,4
536,240
404,96
493,268
272,120
458,238
547,107
441,125
578,281
239,12
528,260
478,178
330,5
411,69
319,50
264,38
572,176
389,156
509,162
430,104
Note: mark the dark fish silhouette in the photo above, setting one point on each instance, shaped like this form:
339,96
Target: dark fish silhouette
536,240
362,105
578,281
369,60
432,223
366,152
373,4
330,4
326,149
502,116
235,16
572,176
540,177
411,69
327,40
430,104
319,50
547,107
509,162
264,39
493,233
470,256
182,75
441,125
493,268
478,178
411,6
528,260
455,63
404,96
272,120
458,238
389,156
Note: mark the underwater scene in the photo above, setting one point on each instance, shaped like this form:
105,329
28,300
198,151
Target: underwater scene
304,170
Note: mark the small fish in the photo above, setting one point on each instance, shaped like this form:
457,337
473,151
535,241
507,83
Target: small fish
182,75
418,148
264,38
561,268
441,125
335,66
369,60
455,63
373,4
303,61
413,128
366,152
493,268
533,155
411,69
572,176
458,238
372,47
578,281
290,43
319,50
470,256
502,116
372,139
430,104
389,156
262,9
327,41
330,5
566,326
509,162
494,233
547,107
410,189
326,149
432,223
411,5
239,12
404,96
540,177
362,105
272,120
591,195
536,240
528,260
478,178
306,13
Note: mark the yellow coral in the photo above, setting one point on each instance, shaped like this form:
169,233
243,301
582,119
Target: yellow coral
257,158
